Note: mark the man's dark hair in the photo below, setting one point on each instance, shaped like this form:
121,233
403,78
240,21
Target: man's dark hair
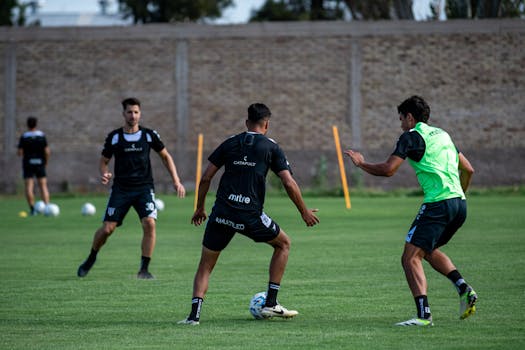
258,111
416,106
31,122
130,101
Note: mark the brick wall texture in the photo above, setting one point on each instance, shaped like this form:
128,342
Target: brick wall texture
195,79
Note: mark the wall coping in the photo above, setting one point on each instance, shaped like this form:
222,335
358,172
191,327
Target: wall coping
309,29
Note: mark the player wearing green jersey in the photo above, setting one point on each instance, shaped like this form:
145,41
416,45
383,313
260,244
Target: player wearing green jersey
444,175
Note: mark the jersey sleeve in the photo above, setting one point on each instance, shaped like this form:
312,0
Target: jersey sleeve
156,142
411,145
107,151
217,157
279,161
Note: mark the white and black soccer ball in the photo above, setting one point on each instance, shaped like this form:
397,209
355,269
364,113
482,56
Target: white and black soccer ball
51,210
40,207
88,209
159,204
256,305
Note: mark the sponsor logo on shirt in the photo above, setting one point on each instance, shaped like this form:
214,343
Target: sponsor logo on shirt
244,162
239,198
230,223
133,148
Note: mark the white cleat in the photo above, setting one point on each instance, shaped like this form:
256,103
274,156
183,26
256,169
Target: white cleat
189,322
420,322
278,311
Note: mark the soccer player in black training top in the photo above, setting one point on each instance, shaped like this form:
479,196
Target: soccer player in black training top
246,158
33,149
132,183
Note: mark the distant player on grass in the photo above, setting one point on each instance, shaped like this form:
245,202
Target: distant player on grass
444,174
132,183
246,158
33,149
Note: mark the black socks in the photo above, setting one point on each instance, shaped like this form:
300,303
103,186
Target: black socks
423,310
271,295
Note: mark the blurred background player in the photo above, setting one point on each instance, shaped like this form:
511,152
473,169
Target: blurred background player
444,175
35,152
132,183
246,158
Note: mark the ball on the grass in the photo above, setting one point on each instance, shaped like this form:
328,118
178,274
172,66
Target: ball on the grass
256,305
88,209
51,210
159,204
40,206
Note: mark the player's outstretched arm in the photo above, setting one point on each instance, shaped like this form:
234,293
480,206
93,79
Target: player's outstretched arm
168,162
387,168
294,192
204,185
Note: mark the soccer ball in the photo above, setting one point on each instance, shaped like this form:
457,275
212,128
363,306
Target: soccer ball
256,305
51,210
159,204
40,206
88,209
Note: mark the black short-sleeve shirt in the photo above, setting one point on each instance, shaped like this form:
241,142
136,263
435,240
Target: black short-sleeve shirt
246,158
132,156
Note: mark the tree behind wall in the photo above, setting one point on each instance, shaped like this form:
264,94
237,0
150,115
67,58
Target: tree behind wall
150,11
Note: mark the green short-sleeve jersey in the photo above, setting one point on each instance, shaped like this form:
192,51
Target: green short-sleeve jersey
437,172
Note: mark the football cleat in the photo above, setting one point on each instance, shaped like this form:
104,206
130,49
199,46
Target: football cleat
421,322
277,311
189,322
467,303
84,268
145,275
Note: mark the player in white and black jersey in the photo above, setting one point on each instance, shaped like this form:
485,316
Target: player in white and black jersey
246,158
34,150
132,183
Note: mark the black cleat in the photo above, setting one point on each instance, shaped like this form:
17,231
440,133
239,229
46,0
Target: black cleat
84,268
145,275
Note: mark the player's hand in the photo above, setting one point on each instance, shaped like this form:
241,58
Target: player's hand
105,178
198,217
357,157
310,218
181,191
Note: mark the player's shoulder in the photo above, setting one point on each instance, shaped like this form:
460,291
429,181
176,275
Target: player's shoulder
33,133
150,131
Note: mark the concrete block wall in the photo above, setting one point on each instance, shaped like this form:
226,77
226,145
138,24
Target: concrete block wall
200,79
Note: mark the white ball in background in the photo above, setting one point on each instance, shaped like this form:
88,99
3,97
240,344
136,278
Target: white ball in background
40,207
88,209
51,210
159,204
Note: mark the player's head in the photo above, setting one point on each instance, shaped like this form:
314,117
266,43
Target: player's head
417,107
130,101
258,117
257,112
31,122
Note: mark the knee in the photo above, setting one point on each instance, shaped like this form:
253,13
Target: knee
148,225
107,230
285,243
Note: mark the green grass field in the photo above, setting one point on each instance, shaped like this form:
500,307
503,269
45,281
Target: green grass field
344,276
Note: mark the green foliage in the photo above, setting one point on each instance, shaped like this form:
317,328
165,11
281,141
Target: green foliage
344,276
150,11
299,10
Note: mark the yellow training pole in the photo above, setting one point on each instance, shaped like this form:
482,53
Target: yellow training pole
341,166
199,170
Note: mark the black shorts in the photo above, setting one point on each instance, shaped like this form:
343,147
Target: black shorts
34,170
142,199
223,224
436,223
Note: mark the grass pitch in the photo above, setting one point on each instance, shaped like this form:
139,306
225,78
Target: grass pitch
344,276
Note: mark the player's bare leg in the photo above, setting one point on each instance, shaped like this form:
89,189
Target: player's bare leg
200,284
281,251
29,188
44,192
99,239
148,245
413,266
